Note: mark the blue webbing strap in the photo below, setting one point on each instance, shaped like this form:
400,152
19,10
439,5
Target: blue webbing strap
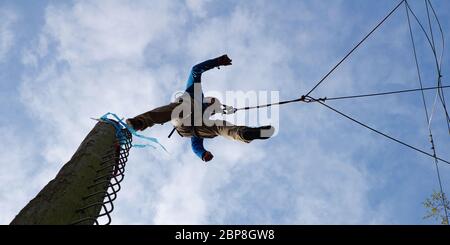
132,131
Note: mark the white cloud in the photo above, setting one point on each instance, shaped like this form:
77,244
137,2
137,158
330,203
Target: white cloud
127,58
197,7
7,19
99,66
112,31
20,180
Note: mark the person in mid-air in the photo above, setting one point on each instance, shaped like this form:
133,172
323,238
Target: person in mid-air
191,112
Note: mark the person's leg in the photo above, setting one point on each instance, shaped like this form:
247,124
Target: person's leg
233,132
159,115
230,131
260,133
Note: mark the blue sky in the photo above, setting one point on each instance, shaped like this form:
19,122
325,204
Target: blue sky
62,62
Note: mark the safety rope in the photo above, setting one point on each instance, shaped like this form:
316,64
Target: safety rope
381,133
308,99
438,61
354,48
340,97
428,117
385,93
441,91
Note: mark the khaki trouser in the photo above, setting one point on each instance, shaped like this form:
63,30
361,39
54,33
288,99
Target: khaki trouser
214,128
158,115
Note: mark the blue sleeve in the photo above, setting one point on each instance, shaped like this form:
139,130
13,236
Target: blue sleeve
197,70
197,146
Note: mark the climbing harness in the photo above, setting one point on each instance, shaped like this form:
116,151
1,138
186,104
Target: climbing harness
225,110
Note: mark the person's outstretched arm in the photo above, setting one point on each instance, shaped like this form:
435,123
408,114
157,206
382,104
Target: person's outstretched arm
199,149
197,70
